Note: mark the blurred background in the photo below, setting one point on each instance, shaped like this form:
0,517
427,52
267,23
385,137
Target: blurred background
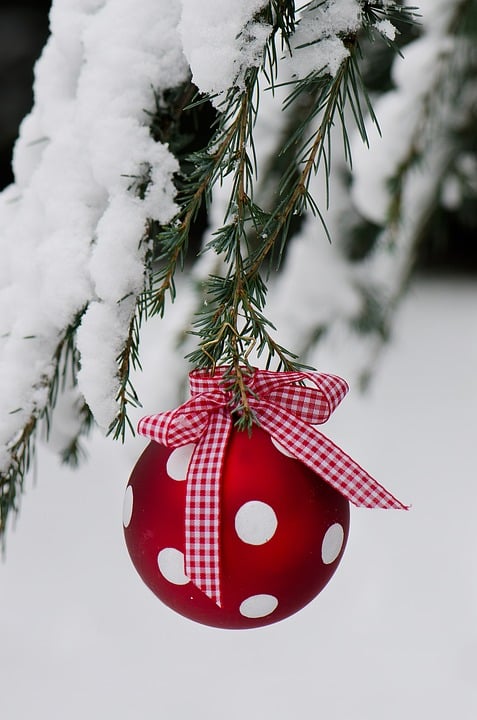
393,636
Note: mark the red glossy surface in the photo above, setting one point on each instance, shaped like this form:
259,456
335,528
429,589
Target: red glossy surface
289,566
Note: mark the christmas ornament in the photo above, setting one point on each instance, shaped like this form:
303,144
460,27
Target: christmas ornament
240,529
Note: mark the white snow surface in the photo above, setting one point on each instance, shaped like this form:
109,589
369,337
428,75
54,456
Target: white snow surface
221,40
393,635
317,44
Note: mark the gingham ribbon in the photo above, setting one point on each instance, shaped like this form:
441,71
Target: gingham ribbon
286,409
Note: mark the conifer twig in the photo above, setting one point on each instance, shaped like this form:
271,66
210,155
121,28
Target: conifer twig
251,236
65,363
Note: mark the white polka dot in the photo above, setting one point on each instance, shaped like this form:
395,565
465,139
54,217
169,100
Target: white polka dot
258,606
171,564
332,543
255,522
281,448
128,506
179,460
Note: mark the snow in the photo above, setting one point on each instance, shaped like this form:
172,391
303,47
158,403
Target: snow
317,45
234,42
393,635
387,29
71,223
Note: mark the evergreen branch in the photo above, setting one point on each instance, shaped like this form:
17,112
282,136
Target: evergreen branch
329,97
434,120
235,318
127,360
168,124
232,318
394,12
209,165
65,364
74,452
430,103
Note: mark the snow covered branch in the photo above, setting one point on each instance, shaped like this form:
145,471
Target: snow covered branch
109,191
71,227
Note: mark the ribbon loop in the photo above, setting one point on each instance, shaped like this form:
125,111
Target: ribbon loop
183,425
286,408
313,404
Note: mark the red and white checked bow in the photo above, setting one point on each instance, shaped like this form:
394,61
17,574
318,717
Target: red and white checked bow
286,409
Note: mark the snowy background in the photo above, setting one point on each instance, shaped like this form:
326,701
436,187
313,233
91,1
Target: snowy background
394,635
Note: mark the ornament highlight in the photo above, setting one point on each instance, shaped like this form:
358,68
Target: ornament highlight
236,529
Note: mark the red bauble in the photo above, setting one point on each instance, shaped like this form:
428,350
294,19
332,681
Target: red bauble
283,531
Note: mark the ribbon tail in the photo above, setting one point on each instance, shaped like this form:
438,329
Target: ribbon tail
328,460
202,518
